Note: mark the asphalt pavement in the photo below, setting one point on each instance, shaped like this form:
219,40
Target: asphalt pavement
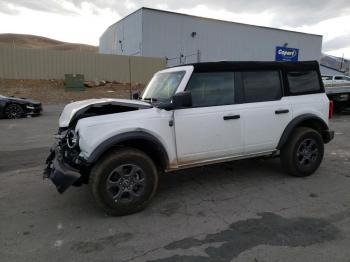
241,211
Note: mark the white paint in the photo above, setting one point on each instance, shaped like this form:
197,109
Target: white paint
201,133
262,127
70,109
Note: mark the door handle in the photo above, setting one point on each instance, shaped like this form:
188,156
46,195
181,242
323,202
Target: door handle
230,117
281,111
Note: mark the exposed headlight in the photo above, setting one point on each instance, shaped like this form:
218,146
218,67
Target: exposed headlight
72,139
30,107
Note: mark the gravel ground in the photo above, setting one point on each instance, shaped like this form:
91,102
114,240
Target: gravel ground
240,211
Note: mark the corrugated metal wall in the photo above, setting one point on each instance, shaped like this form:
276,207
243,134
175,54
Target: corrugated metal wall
188,39
171,35
20,63
123,37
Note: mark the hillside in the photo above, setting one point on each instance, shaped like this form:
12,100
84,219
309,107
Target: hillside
33,41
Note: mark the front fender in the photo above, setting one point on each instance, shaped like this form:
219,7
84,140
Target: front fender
120,138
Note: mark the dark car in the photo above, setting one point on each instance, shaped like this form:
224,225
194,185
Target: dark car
11,107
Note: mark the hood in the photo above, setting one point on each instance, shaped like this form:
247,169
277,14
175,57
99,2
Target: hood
22,100
94,107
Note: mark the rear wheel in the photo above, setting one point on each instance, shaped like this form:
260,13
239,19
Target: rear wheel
124,181
303,154
13,111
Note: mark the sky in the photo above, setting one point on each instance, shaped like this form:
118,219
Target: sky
82,21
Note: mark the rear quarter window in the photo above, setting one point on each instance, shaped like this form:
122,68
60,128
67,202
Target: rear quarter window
261,86
304,82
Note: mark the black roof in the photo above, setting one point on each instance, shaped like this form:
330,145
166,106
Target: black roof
253,65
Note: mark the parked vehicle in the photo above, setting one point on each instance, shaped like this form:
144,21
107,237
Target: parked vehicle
11,107
341,79
189,116
338,90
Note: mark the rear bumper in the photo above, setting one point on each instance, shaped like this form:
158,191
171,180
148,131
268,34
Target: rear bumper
61,174
327,136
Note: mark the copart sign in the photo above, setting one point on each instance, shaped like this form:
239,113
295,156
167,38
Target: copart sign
287,54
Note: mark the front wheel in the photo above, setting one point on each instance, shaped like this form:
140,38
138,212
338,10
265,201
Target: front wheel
303,154
124,181
14,111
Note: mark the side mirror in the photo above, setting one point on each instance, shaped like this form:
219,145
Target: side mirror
136,95
182,100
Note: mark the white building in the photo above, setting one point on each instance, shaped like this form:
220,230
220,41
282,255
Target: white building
185,39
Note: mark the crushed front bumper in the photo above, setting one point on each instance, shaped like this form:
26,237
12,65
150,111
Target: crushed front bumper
61,174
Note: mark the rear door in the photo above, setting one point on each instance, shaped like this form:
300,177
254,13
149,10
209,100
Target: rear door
265,112
212,128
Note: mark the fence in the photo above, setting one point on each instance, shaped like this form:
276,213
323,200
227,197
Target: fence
184,59
21,63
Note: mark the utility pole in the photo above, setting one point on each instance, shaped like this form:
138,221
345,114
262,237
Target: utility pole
342,61
198,56
130,77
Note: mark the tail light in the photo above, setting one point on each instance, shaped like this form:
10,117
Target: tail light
331,109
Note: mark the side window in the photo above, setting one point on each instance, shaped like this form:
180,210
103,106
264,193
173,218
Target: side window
261,86
342,78
212,89
303,82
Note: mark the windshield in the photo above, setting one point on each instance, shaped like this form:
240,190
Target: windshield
163,86
2,96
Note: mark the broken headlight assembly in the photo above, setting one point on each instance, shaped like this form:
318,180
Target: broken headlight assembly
72,139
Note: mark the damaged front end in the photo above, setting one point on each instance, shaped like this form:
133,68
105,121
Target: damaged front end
64,168
64,165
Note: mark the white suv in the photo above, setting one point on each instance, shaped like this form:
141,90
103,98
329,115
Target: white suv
190,116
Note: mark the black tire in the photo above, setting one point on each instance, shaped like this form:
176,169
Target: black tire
303,153
13,111
132,180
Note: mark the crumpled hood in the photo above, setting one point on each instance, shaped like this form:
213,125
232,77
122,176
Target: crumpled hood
74,111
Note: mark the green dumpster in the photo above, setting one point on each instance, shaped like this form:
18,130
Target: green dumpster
74,82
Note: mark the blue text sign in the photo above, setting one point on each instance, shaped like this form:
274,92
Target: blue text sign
287,54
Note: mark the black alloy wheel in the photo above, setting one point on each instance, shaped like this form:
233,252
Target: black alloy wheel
14,111
126,183
307,153
303,153
123,181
